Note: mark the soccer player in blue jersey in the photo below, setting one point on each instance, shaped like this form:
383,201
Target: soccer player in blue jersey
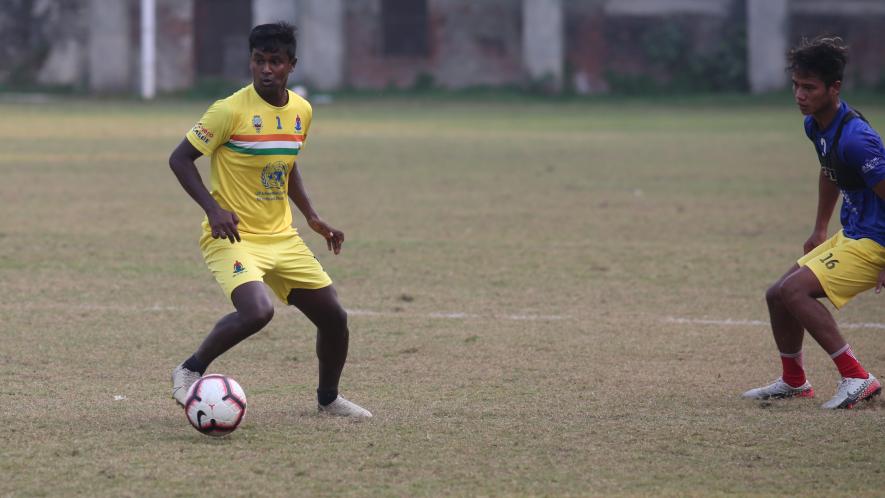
852,161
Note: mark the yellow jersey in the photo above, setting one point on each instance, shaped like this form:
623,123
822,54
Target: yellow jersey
253,146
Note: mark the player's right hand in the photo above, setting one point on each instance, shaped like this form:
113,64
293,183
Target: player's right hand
224,225
880,282
816,239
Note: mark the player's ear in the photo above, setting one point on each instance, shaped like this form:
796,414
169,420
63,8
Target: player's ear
835,88
294,61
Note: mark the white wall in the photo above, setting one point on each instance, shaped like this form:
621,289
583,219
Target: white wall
767,44
109,48
543,40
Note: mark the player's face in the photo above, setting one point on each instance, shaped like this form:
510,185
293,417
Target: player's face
812,95
270,70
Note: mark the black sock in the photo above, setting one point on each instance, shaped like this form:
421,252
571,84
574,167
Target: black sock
195,365
326,396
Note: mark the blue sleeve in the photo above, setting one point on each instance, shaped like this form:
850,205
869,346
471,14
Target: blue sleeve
864,151
807,124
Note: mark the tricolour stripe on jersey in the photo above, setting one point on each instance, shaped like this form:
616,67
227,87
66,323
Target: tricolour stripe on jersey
267,138
262,152
266,144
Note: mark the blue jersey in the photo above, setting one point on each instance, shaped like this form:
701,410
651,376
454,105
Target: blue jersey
859,149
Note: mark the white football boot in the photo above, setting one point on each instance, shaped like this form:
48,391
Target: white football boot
343,408
182,380
780,389
852,391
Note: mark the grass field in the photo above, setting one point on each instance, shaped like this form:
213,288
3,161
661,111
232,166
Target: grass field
546,299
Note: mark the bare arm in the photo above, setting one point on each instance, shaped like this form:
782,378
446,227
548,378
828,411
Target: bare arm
827,195
334,237
879,189
223,223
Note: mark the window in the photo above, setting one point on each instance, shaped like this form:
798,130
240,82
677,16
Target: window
221,38
404,26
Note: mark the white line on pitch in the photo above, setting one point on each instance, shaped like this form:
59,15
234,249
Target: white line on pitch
353,312
458,315
732,322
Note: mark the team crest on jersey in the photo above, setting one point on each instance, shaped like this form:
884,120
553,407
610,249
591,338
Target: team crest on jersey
256,123
297,123
239,268
273,176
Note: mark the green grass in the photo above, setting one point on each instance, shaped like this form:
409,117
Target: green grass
514,269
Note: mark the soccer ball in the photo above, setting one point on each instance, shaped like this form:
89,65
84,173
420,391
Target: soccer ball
216,404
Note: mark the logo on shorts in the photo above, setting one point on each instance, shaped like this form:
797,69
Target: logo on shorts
238,268
256,122
297,123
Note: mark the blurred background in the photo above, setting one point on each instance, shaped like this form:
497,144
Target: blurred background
150,47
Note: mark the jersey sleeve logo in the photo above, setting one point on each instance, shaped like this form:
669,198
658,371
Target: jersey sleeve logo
871,164
202,133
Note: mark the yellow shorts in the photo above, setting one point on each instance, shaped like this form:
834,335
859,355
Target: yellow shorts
282,261
845,267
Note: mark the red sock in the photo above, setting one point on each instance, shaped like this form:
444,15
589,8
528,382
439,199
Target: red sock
794,374
847,364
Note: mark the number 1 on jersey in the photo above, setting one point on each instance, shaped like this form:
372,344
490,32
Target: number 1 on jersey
279,125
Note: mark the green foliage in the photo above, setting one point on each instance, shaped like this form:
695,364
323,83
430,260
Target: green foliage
27,88
666,45
211,88
423,82
632,84
545,85
676,66
880,85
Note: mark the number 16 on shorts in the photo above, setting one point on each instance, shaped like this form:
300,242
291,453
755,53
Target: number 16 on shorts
829,262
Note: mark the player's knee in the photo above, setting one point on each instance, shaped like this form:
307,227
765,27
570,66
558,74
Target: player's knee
264,314
792,290
773,294
338,319
260,315
333,320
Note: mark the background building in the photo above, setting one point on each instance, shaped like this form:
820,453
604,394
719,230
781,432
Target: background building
585,46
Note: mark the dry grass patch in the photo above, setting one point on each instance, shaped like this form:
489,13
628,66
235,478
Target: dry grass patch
513,292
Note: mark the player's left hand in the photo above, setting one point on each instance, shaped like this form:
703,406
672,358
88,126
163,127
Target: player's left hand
334,237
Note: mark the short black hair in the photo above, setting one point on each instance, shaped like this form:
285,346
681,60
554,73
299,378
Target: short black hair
273,37
823,56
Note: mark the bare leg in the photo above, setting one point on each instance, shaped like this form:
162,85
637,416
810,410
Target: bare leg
321,306
800,292
254,310
788,331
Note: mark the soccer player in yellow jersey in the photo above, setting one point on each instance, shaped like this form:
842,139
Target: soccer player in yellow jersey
254,137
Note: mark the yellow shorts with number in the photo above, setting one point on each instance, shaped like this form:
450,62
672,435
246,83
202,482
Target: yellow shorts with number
845,267
282,261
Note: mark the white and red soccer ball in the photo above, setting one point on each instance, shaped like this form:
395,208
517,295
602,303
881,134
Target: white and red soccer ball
216,404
